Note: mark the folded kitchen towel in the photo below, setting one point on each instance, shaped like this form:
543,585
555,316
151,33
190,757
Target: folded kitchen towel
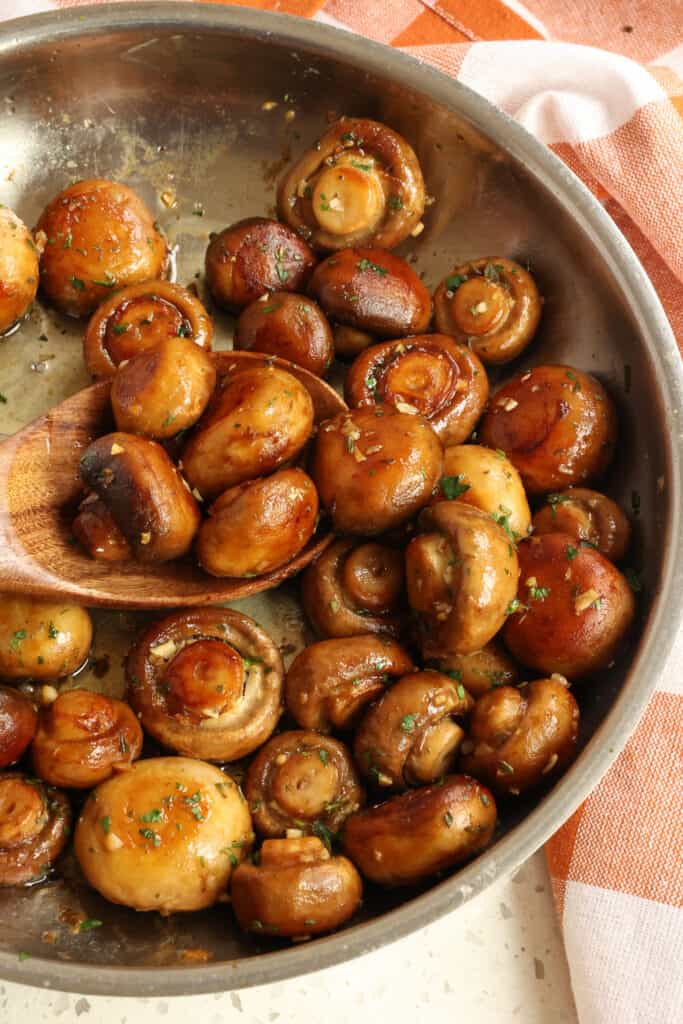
600,83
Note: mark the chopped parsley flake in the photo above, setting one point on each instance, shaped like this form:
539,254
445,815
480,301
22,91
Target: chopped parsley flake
408,723
365,264
452,486
87,926
455,280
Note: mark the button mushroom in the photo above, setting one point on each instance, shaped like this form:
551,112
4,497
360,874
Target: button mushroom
35,821
329,682
296,890
587,516
482,670
290,326
18,269
422,831
163,836
488,481
42,640
95,530
206,683
556,424
361,184
18,722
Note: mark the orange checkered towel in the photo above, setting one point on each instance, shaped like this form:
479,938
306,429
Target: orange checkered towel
599,82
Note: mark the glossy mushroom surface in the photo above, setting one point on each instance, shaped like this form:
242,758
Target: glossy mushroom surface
206,683
95,530
517,737
374,468
163,836
254,256
18,269
302,781
430,375
83,738
330,682
290,326
259,525
573,609
492,304
35,821
163,390
373,291
461,573
98,235
418,833
296,890
349,341
556,424
355,587
361,184
18,723
587,516
482,670
260,418
136,319
410,736
42,639
487,480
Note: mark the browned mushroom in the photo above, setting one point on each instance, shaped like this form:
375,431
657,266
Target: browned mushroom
330,682
482,670
18,722
556,424
138,318
410,736
83,738
95,530
254,256
492,304
301,783
259,418
42,639
35,822
587,516
488,481
375,468
145,494
517,737
461,572
99,235
416,834
206,683
355,588
290,326
361,184
428,374
573,608
18,269
297,889
163,390
372,291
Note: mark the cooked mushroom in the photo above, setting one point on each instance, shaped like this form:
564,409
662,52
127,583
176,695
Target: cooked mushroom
481,670
488,481
517,737
355,588
410,736
259,418
349,341
83,738
301,782
361,184
429,374
330,682
163,836
491,304
41,639
587,516
297,889
289,326
99,236
18,722
258,526
254,256
416,834
206,683
373,291
145,494
137,319
96,531
18,269
461,572
556,424
35,821
375,468
573,608
163,390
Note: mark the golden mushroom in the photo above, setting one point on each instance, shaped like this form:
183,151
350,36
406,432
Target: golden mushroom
18,269
35,821
42,639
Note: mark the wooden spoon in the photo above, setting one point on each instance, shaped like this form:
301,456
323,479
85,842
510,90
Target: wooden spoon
40,487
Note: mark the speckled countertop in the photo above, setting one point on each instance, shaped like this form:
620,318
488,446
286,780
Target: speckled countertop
499,958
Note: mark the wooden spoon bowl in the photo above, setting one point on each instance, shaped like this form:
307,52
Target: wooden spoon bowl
40,487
